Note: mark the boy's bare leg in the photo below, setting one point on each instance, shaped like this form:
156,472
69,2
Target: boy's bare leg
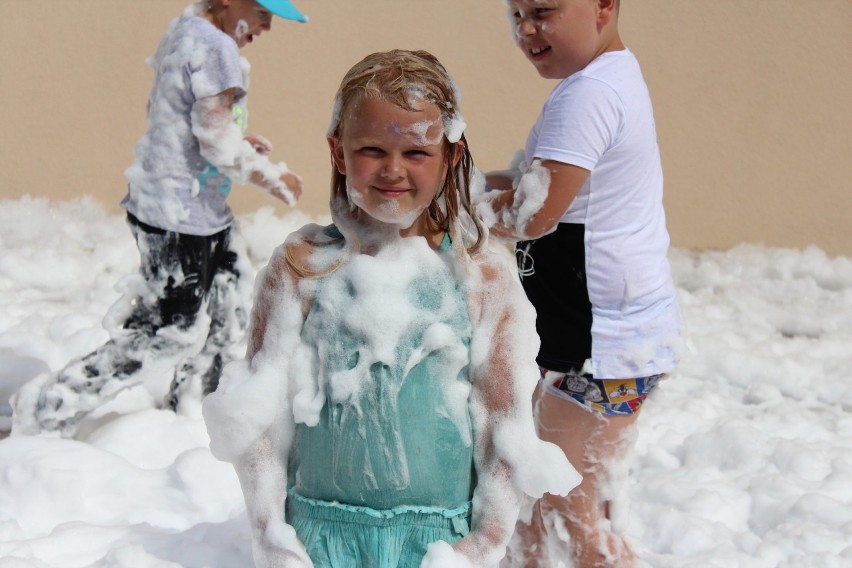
579,526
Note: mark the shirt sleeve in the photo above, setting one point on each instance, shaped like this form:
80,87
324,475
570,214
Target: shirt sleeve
579,123
216,66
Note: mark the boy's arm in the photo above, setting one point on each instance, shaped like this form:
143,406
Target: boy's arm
510,459
260,144
221,143
250,421
499,180
511,221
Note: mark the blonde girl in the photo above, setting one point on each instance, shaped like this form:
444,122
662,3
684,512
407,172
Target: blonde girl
391,355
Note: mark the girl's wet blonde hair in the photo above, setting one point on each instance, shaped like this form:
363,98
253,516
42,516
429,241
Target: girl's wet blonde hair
404,78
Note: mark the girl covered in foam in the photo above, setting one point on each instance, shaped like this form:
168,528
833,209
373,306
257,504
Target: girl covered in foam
382,416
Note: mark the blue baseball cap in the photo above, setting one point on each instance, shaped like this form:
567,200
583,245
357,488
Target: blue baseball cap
283,9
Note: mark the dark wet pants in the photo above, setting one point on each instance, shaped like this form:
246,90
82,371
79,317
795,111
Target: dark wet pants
181,274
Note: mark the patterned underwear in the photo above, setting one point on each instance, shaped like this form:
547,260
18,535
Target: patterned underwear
608,396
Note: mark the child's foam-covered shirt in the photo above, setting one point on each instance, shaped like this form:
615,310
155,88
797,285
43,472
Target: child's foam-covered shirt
171,186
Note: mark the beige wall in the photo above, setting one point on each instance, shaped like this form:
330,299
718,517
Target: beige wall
753,100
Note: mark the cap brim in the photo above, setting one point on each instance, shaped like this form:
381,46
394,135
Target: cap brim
283,9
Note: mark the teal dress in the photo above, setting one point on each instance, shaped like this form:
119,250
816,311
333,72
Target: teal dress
389,466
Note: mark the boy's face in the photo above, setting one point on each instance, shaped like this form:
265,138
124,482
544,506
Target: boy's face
559,37
244,20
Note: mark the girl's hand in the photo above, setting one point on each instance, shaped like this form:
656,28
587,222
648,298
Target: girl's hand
441,555
276,544
279,558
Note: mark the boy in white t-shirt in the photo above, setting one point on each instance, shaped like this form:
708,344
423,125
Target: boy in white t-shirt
586,205
189,307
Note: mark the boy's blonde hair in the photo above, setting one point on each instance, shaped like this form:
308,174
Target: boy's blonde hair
402,78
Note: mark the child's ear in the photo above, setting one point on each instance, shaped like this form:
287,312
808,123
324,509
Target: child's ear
337,154
457,150
607,9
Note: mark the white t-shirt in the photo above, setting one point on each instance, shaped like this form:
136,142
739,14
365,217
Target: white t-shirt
171,186
601,119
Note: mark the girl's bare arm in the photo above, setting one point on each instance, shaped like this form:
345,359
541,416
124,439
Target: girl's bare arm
253,399
507,452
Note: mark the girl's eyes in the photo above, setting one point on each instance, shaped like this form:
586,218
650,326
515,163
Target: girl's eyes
375,151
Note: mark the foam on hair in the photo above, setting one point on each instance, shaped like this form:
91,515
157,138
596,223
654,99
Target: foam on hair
407,79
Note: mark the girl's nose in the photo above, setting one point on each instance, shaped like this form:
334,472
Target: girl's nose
392,167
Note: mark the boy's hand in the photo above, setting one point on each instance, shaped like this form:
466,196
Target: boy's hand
287,187
260,144
293,183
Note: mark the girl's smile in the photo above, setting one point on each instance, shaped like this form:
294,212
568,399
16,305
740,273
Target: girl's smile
393,159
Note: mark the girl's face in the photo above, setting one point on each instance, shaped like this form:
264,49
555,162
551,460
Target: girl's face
244,20
393,159
559,37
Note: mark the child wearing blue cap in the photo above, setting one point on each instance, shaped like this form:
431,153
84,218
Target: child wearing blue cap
284,9
188,307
